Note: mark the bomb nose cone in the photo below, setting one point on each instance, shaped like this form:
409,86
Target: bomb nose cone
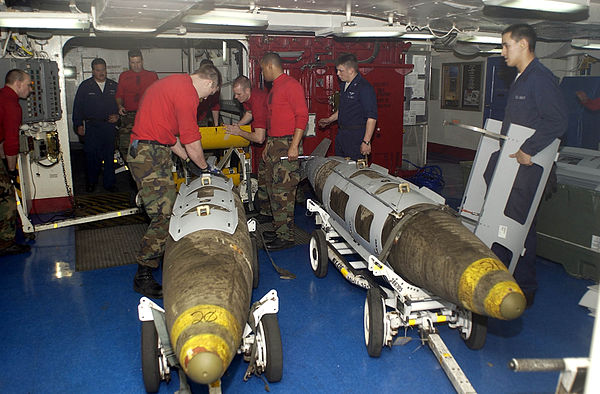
513,306
205,368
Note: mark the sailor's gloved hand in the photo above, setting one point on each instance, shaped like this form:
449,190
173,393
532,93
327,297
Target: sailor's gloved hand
197,171
211,170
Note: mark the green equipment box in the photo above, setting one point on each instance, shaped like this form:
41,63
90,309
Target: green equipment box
568,224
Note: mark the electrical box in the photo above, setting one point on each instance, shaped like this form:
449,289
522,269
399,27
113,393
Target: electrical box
43,104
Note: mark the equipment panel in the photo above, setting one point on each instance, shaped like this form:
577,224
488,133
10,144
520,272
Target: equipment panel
43,104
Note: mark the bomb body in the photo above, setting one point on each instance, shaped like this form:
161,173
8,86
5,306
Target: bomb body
207,277
427,245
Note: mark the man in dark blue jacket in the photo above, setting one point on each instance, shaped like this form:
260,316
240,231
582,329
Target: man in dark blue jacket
95,114
534,101
357,114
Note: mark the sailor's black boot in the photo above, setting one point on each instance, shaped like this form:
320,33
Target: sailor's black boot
145,284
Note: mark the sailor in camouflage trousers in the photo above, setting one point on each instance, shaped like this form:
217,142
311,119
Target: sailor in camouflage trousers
287,116
8,207
151,169
281,180
124,133
17,84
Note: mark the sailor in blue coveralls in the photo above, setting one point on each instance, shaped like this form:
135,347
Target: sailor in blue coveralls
357,113
534,101
95,114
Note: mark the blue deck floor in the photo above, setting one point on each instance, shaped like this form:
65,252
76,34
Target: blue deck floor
77,332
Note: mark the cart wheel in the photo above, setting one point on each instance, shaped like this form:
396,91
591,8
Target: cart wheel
150,354
475,338
373,322
318,253
268,328
255,265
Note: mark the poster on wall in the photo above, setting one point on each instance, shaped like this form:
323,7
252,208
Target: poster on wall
461,86
471,86
451,86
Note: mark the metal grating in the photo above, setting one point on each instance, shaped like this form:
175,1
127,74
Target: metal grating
107,247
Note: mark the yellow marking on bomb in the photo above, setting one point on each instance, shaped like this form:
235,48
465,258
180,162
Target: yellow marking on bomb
344,272
494,299
205,343
205,314
236,249
441,318
471,277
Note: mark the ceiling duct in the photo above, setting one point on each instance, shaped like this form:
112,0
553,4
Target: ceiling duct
445,44
136,15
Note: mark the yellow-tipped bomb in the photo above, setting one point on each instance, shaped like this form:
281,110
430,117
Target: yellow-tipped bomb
207,281
436,252
429,247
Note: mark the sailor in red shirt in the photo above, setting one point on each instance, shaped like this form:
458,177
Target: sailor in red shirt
255,107
17,84
287,116
210,104
132,85
165,123
591,104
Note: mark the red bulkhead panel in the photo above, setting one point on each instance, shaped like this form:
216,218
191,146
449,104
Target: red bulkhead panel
311,60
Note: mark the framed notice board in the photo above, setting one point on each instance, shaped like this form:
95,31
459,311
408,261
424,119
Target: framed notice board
451,85
462,86
471,86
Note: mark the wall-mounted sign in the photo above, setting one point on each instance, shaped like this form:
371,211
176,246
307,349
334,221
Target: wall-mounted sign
451,85
471,86
461,86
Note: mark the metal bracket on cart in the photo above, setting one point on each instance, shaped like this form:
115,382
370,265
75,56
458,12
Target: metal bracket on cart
254,346
412,305
154,322
247,194
322,218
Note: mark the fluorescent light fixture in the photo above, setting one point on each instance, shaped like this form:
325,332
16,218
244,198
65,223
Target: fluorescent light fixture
480,38
228,18
70,72
418,36
44,20
560,6
372,32
585,43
